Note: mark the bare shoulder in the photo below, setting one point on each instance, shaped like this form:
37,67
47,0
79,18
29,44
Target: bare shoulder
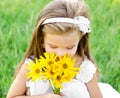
18,87
23,70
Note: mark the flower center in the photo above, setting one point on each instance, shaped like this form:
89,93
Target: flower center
37,71
50,63
51,72
58,78
65,66
57,59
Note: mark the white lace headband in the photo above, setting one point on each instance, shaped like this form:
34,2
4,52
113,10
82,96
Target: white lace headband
80,21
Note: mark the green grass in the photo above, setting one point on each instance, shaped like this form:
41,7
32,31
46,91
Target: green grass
105,37
17,19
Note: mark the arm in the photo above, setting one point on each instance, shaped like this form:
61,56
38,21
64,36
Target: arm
18,88
93,88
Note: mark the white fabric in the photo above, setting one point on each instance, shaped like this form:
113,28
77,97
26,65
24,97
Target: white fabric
80,21
38,87
108,91
75,88
87,69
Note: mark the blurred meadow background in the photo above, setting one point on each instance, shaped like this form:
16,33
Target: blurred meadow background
17,20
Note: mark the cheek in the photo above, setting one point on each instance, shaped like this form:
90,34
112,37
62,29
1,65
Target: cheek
73,51
48,49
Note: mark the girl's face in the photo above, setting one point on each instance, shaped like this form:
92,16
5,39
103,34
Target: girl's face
65,43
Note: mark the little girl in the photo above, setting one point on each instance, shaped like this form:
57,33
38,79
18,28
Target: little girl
63,27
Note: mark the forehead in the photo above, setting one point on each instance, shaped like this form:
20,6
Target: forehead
67,38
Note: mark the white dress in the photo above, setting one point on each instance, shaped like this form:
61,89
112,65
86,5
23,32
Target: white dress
76,88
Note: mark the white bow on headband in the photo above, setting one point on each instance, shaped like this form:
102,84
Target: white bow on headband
80,21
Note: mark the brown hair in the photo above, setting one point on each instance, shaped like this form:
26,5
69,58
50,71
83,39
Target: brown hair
58,8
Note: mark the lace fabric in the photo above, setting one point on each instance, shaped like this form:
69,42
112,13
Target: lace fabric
87,69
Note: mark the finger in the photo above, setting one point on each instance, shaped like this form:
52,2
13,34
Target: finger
61,94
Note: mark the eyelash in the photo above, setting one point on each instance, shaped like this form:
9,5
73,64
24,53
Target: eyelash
53,47
69,48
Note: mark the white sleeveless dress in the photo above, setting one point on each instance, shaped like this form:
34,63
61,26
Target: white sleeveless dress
76,88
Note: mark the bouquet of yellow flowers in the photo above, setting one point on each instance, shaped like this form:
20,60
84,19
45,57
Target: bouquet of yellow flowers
55,69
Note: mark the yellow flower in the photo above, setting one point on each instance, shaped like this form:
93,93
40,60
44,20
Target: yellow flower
66,62
53,68
34,70
58,80
48,60
68,67
49,72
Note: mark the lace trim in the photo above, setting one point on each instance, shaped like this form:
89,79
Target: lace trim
86,72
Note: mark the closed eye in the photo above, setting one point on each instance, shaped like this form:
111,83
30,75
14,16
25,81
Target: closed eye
52,46
71,47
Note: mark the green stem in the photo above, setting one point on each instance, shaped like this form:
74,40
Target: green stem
55,90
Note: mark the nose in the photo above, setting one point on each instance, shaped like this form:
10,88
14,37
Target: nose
61,52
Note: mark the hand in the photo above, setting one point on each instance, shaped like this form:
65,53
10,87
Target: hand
52,95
